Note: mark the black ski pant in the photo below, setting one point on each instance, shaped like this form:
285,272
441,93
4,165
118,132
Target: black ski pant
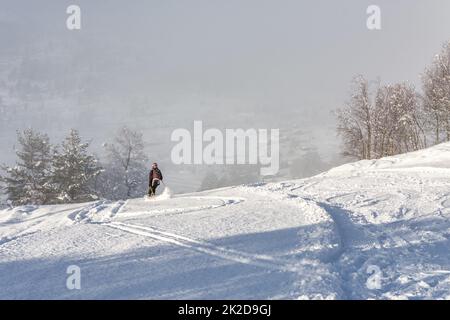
152,188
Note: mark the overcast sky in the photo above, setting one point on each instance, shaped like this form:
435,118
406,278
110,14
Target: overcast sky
299,52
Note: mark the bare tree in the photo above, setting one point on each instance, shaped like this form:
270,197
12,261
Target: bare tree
388,124
398,124
355,121
125,171
436,88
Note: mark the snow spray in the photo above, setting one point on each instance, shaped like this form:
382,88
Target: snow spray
166,194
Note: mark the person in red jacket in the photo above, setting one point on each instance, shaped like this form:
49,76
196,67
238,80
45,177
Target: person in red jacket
154,179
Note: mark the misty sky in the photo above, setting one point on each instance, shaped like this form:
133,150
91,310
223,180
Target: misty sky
299,52
272,57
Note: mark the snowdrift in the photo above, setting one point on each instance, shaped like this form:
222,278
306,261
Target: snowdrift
436,157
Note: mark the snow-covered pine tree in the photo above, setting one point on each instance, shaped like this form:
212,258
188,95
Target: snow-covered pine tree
125,173
74,170
28,182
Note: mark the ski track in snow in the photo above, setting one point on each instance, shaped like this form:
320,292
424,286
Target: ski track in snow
304,270
360,239
175,211
343,227
205,247
263,261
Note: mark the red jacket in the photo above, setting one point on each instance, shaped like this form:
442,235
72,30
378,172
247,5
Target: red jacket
154,174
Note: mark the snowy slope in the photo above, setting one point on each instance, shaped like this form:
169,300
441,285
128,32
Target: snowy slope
317,238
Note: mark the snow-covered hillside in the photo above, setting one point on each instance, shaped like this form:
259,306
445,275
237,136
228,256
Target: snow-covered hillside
370,229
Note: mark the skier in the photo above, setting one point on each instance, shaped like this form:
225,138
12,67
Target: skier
154,179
